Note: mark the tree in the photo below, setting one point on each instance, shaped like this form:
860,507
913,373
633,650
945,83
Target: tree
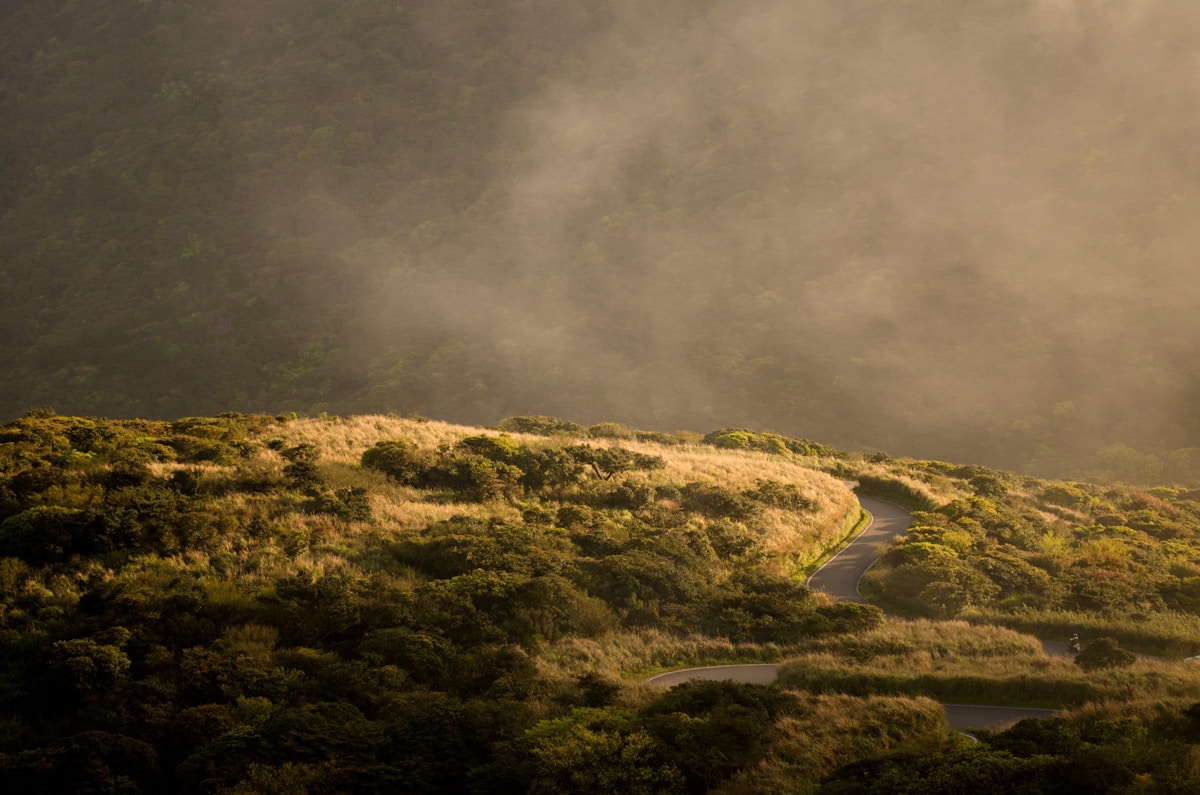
608,461
41,534
399,459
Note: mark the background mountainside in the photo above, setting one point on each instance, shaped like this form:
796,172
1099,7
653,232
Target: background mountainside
962,232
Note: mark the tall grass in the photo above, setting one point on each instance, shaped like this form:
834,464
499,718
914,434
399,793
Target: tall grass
904,487
638,654
955,661
855,522
791,537
1169,634
827,730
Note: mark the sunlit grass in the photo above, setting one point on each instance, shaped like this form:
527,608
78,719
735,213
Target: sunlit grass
792,538
639,654
958,662
829,729
1168,633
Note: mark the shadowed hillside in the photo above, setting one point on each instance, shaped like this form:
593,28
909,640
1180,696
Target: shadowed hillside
948,230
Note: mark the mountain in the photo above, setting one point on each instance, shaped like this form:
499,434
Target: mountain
947,231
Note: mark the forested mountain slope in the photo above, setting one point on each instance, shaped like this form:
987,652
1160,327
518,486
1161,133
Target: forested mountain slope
961,231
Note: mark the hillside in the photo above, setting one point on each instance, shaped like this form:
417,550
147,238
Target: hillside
946,230
248,603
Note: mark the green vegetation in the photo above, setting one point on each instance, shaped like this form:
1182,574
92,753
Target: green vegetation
961,663
1141,748
247,603
239,602
1049,558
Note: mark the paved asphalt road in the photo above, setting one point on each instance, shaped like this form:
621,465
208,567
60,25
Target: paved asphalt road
964,717
757,674
839,578
840,575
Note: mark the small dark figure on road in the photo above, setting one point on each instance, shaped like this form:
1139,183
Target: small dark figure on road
1073,643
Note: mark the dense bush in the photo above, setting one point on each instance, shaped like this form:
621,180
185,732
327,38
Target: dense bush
289,620
399,459
742,439
1104,653
542,426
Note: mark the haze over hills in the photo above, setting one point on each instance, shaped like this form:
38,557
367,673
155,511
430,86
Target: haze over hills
943,230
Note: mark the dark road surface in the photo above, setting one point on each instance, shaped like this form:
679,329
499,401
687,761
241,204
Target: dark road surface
840,575
839,578
754,674
964,717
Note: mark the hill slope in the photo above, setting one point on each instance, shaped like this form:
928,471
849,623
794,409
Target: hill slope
248,603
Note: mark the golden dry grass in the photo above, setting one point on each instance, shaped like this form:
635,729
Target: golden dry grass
829,729
785,535
975,664
638,654
343,439
937,488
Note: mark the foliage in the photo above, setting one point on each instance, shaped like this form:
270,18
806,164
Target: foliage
1114,559
742,439
898,490
541,426
373,604
1104,653
317,607
1101,750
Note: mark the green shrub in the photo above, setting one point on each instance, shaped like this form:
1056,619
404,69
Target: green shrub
716,502
1064,495
400,459
548,468
474,478
742,439
42,534
657,437
541,425
351,504
608,461
896,490
496,448
785,496
609,430
1104,653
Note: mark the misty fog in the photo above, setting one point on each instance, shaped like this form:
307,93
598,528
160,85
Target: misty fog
969,214
934,228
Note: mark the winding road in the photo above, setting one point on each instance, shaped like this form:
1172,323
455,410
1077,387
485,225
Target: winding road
839,577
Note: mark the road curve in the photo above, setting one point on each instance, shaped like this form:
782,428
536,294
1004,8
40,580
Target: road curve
963,717
753,674
840,575
839,578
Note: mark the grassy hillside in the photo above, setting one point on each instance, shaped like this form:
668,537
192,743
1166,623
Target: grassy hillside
178,595
246,603
939,229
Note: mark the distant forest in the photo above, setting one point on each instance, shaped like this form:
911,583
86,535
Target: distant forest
960,232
